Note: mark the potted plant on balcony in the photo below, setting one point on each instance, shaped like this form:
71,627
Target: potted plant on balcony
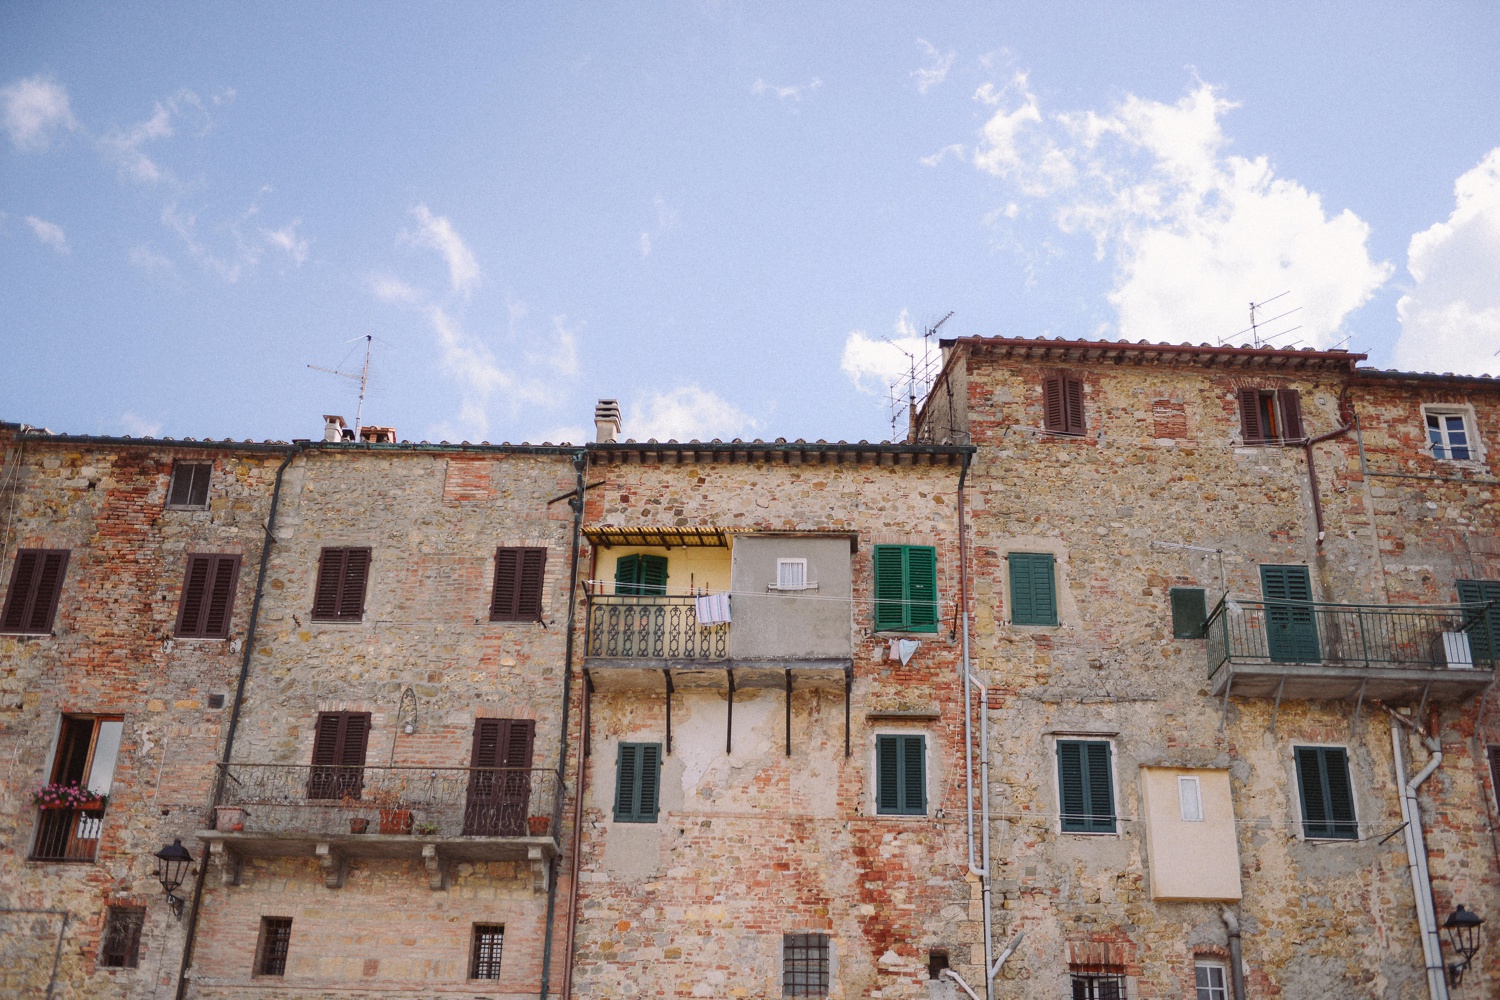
395,812
350,804
67,795
537,826
228,818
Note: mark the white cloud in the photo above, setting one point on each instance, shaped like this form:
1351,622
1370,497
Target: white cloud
792,92
49,233
286,239
666,221
156,265
1193,234
126,146
393,290
36,109
1450,318
437,233
955,150
875,365
686,413
936,72
561,354
137,426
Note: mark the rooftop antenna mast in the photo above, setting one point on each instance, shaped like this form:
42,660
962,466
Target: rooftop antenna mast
363,378
914,374
1257,322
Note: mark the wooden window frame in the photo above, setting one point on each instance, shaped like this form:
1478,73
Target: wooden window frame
894,771
342,569
484,961
190,493
1094,758
1098,985
637,798
1062,405
1189,612
906,591
208,590
1029,604
36,582
1270,416
520,574
273,947
1328,765
1209,991
120,937
806,964
1465,413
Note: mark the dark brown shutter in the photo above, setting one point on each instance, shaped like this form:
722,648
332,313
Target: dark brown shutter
340,593
1494,755
22,579
1291,414
48,589
529,601
1250,428
507,583
330,571
194,590
339,747
208,596
497,801
518,584
35,585
1073,405
1055,411
225,575
352,592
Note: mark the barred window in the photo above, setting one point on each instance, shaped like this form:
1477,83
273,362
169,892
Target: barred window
804,965
275,937
120,944
1087,986
488,941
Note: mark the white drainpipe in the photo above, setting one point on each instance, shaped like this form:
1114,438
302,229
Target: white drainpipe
1416,856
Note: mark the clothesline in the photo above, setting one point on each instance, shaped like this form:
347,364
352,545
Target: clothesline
785,595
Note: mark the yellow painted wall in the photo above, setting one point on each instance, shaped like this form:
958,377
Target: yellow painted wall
704,568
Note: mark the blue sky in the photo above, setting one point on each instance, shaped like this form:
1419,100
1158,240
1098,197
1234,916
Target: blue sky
733,218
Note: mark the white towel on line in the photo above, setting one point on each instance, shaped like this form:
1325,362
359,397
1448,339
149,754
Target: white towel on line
712,609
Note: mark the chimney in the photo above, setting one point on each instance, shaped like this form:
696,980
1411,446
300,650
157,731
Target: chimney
333,427
607,421
371,434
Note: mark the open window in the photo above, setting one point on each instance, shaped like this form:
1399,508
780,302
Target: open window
72,802
1270,416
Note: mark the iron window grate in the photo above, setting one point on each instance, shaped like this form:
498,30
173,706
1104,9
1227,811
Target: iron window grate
804,965
120,944
489,941
275,938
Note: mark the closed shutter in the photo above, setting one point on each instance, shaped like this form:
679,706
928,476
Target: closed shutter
887,774
1073,405
1482,625
1493,752
1085,782
653,575
1250,425
500,783
906,588
1291,623
921,590
890,588
339,747
35,585
1326,793
1033,590
518,584
189,486
340,592
1291,414
207,596
901,775
1055,411
637,782
1189,612
641,575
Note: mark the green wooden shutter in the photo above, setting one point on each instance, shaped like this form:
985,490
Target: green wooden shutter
637,782
1291,626
1033,591
913,775
1483,628
628,575
627,766
887,774
650,782
1085,784
890,590
901,775
1326,793
921,588
653,575
1070,786
1099,783
1189,612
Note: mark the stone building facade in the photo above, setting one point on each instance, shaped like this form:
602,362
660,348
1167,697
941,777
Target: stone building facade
1299,504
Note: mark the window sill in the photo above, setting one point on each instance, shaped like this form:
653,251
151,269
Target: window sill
337,621
30,635
200,638
517,621
181,507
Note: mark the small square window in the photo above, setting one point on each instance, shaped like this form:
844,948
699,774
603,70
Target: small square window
791,574
804,965
189,487
1189,612
120,944
1209,978
1033,588
275,939
1450,434
1093,986
488,942
1190,799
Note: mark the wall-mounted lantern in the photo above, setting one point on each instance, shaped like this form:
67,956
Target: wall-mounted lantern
1463,934
172,864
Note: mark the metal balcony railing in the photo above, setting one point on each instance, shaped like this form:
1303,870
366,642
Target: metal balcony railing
68,834
298,800
657,627
1352,635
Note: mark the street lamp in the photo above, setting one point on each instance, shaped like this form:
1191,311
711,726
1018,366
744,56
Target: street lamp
1463,934
171,865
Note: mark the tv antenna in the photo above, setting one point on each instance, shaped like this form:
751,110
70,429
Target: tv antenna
918,374
363,378
1257,322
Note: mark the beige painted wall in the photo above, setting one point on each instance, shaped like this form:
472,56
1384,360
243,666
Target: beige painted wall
705,569
1190,860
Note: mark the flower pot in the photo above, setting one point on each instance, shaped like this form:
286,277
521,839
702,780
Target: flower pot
228,818
395,821
538,825
358,824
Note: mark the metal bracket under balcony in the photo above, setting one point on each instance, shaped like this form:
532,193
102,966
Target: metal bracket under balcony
1312,651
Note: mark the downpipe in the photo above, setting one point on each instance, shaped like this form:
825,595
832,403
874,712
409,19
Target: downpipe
1236,959
1416,856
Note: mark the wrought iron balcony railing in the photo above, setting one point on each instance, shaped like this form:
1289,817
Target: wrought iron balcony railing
68,834
654,627
1353,635
297,800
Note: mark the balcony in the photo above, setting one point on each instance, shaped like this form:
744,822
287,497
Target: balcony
1260,649
655,628
68,834
436,815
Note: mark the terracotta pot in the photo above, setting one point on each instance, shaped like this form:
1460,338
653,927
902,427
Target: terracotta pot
538,825
395,821
358,824
229,818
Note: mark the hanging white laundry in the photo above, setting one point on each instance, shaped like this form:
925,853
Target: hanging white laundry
904,649
712,609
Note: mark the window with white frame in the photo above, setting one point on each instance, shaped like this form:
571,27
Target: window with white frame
1190,798
1450,433
1209,977
791,574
